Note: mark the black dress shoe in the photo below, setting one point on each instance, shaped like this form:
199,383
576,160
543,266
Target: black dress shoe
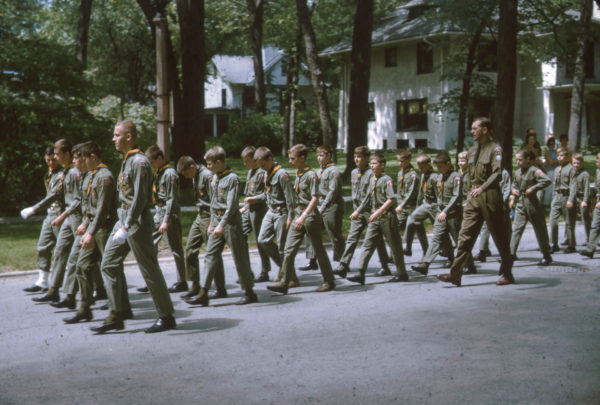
586,253
86,316
384,271
192,293
278,288
178,287
105,327
162,324
357,279
341,271
545,261
399,279
482,256
33,288
311,265
249,298
564,243
143,289
262,278
569,250
201,300
47,298
66,303
217,294
421,268
554,249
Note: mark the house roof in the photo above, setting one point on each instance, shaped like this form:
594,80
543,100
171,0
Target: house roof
406,22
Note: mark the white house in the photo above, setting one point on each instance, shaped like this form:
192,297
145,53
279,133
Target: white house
407,64
229,88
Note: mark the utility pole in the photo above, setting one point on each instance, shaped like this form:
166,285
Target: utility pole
162,89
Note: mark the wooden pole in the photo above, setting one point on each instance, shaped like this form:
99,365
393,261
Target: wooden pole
162,89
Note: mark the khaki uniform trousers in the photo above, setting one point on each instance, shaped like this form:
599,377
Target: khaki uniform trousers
196,237
386,225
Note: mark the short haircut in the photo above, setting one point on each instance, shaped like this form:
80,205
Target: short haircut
248,152
578,156
77,149
362,150
564,136
128,127
403,154
530,131
64,145
485,122
49,151
215,153
298,150
154,152
442,157
550,140
184,163
562,150
263,153
379,157
526,153
325,148
90,148
423,159
463,155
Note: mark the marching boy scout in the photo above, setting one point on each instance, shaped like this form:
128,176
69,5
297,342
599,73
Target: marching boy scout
133,230
65,252
99,209
525,199
448,207
408,191
381,201
582,196
54,204
564,191
307,221
167,222
254,209
198,234
483,204
331,205
595,227
279,195
225,226
360,179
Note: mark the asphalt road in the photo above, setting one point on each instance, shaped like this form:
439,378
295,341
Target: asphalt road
422,342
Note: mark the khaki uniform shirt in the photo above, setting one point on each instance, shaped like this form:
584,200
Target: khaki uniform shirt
360,185
165,193
306,186
279,193
71,190
53,201
224,201
408,188
381,189
582,178
485,169
427,188
448,192
330,186
255,187
135,187
564,182
99,199
202,184
532,178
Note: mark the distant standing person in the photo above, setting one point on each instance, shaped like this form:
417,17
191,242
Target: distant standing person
595,227
550,166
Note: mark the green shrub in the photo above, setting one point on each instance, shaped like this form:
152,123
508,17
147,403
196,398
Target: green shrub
257,130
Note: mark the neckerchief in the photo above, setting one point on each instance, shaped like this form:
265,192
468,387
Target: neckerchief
299,174
159,172
275,167
92,177
326,166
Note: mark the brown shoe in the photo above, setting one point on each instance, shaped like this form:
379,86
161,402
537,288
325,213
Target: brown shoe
278,288
326,287
293,284
505,280
449,278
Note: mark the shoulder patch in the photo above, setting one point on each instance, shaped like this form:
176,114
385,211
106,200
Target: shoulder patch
539,172
389,183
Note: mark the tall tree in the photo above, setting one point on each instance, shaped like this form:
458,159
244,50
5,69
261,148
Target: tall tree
360,68
255,12
328,137
83,26
504,105
577,96
290,95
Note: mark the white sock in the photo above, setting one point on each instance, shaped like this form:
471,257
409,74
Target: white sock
43,279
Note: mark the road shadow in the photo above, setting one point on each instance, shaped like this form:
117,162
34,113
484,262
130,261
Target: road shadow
532,283
204,325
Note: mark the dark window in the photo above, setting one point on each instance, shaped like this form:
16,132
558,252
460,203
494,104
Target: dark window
222,124
390,58
411,115
248,96
487,57
401,143
284,68
420,143
424,58
371,111
385,144
223,97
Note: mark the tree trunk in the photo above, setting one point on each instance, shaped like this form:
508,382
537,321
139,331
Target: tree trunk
328,137
255,12
83,26
291,90
193,72
360,69
577,96
177,129
504,106
466,88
